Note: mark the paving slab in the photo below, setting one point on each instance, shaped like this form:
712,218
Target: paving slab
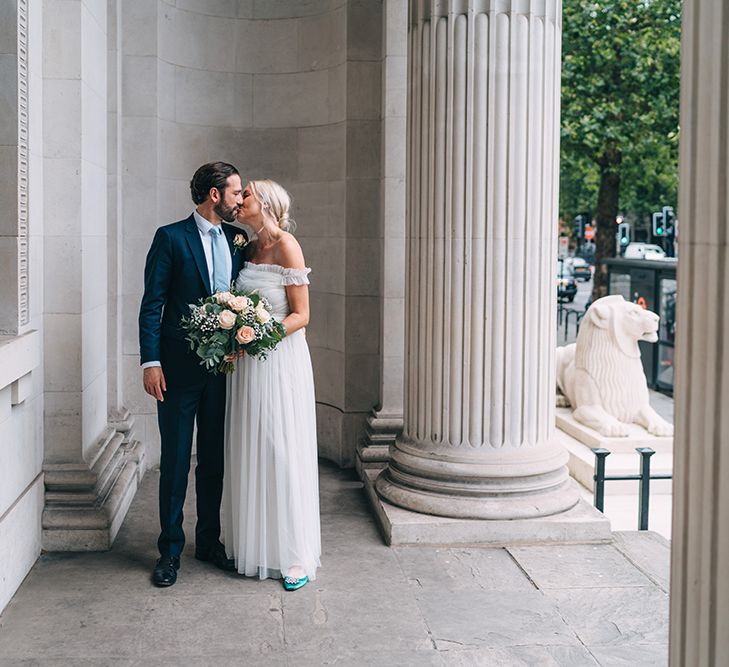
231,625
454,569
644,655
615,616
72,626
648,551
64,662
241,659
364,658
359,620
521,656
493,619
578,566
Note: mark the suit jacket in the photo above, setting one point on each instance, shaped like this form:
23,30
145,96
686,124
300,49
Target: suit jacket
175,275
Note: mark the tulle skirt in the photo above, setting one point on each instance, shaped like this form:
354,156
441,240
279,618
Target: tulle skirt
271,488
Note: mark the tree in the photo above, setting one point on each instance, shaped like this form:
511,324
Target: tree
620,98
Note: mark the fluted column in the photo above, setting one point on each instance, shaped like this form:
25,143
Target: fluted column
483,150
699,624
385,421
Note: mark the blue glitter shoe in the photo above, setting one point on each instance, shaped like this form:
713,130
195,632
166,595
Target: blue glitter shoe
292,583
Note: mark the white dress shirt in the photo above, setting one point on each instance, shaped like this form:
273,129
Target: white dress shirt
203,226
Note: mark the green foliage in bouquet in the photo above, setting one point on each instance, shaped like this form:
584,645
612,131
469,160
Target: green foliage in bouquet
224,324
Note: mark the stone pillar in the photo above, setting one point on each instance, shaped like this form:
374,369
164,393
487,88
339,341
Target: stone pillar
89,463
483,151
385,421
699,623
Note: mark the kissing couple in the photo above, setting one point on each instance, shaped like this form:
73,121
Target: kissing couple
256,428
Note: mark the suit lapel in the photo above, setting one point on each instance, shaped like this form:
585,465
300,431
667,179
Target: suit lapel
193,240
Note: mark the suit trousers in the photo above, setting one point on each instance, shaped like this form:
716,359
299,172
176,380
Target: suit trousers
193,396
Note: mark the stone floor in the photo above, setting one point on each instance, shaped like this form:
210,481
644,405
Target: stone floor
371,605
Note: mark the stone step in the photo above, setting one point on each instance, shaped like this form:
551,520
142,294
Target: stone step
98,455
71,527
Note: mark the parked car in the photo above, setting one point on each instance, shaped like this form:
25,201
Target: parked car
644,251
581,269
566,283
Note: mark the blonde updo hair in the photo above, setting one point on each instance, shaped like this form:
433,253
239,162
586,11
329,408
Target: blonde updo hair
274,197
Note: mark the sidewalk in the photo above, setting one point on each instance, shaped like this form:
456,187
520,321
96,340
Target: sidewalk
566,605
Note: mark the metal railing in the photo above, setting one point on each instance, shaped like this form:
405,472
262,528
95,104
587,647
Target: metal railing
643,478
563,318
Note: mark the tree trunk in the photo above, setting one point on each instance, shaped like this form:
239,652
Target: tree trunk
607,210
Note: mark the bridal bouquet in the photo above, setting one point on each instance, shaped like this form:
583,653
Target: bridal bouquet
224,324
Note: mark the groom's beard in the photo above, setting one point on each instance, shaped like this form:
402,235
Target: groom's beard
227,214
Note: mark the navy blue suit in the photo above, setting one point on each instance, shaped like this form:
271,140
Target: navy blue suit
176,275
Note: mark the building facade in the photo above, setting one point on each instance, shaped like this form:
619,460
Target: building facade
108,106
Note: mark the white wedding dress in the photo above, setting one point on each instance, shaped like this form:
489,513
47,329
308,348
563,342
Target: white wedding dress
271,491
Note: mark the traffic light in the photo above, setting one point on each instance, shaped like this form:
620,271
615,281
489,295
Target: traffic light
579,226
624,233
659,226
668,220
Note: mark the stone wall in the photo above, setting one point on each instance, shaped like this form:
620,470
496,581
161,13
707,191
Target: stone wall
284,90
21,293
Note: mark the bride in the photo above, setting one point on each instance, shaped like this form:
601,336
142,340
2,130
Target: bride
271,498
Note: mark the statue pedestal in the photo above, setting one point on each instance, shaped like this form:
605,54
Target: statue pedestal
579,439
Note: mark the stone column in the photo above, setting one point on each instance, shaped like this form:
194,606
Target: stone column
385,421
483,151
699,624
89,463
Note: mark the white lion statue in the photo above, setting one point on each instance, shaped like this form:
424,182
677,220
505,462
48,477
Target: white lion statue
601,375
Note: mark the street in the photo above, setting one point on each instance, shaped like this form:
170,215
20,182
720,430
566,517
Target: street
566,329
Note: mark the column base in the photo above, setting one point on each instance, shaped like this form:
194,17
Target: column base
580,524
474,483
86,502
381,431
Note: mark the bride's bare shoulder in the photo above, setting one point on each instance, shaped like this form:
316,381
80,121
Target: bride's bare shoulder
289,251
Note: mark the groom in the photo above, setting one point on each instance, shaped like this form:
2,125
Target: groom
189,260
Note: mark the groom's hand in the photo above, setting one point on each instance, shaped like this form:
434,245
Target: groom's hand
154,382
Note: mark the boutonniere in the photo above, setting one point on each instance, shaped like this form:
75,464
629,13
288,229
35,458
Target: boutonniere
239,242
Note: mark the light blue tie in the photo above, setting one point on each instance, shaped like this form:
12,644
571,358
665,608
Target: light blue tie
221,262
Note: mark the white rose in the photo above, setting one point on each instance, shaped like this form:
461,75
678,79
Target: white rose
223,297
227,319
240,304
262,314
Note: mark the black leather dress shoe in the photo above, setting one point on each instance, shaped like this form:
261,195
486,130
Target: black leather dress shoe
216,556
165,571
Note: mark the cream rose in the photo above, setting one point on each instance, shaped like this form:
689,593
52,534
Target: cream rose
239,303
262,314
223,297
226,319
245,335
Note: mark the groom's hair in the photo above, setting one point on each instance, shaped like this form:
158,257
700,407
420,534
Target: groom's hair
210,175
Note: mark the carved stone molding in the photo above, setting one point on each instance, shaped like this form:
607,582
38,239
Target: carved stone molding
23,268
